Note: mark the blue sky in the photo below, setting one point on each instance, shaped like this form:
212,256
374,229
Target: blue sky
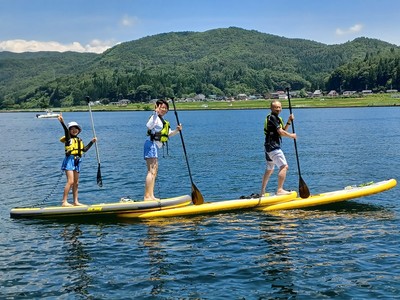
95,25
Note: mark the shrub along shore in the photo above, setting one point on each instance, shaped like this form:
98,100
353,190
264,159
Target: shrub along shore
323,102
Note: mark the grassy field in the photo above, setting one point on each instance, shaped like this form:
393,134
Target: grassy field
371,100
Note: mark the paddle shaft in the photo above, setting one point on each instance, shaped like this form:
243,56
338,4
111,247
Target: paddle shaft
183,143
99,179
94,134
303,188
295,144
197,197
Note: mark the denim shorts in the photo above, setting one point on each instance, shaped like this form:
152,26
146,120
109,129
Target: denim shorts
150,150
70,163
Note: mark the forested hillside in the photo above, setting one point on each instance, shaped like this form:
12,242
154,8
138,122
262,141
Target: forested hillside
222,62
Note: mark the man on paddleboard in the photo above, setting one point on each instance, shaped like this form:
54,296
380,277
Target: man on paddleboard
274,130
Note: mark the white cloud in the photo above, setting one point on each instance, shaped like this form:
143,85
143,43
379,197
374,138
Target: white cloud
19,46
353,29
128,21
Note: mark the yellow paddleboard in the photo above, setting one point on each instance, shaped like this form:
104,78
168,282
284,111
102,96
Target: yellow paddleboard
336,196
211,207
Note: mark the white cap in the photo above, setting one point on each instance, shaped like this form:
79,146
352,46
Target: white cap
74,124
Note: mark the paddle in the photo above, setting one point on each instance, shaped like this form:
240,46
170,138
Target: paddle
99,179
197,197
303,189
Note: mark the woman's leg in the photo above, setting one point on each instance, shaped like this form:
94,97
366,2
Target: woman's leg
152,169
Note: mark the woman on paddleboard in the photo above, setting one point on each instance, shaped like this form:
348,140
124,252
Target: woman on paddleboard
274,130
158,131
74,149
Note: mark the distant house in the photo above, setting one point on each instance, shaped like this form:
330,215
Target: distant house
317,93
199,97
333,93
241,97
278,95
274,96
123,102
366,92
348,93
283,97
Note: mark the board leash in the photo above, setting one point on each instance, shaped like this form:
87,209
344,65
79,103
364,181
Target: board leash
51,192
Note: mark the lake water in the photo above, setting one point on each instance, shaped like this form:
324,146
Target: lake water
349,250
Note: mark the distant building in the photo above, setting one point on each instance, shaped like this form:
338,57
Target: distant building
317,93
241,97
282,97
278,95
348,93
333,93
199,97
366,92
123,102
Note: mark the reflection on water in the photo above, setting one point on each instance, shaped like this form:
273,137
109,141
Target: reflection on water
157,259
277,263
349,209
77,260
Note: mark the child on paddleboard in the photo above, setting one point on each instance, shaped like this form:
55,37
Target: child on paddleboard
158,131
74,149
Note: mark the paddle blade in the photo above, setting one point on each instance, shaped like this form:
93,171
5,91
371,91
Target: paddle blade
99,180
197,197
303,189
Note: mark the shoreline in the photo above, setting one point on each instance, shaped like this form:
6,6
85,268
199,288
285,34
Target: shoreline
194,109
383,100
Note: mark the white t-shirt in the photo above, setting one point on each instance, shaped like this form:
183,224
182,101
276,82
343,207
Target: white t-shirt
154,124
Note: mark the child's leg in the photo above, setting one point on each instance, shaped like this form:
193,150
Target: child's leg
75,188
68,185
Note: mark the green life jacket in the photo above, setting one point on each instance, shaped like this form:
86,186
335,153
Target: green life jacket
161,136
266,131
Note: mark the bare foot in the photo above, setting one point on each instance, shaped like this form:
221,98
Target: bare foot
77,203
66,204
283,192
151,199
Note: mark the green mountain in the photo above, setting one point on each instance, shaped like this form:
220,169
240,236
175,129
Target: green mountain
222,62
24,73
